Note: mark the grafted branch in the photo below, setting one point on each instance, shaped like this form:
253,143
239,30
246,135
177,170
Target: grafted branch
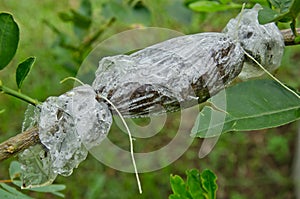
29,138
289,37
18,143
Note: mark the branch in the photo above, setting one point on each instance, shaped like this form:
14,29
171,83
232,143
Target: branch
18,143
29,138
289,37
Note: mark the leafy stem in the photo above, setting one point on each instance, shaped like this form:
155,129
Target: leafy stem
19,95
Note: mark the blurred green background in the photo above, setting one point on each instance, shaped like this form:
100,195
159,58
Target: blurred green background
248,165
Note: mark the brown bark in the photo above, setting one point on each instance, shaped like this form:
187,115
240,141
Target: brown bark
289,38
18,143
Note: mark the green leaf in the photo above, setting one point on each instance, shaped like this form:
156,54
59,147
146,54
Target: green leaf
23,70
125,13
49,188
194,184
267,15
285,11
251,105
14,170
295,8
282,5
212,6
208,180
13,193
85,8
2,111
65,16
177,184
6,194
9,38
53,189
179,188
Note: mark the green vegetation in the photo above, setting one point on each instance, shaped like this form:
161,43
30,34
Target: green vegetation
256,164
198,185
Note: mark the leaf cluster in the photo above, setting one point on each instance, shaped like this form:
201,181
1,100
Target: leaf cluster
78,48
197,186
9,40
285,11
10,192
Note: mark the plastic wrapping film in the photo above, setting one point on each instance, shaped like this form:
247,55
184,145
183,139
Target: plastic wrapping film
69,125
187,70
263,42
174,74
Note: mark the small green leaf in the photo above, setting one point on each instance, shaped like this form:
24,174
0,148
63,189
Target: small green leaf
194,184
225,1
14,192
65,16
251,105
267,15
53,188
2,111
179,188
23,70
295,8
212,6
285,11
208,180
282,5
6,194
177,184
9,38
81,21
85,8
125,13
50,188
14,170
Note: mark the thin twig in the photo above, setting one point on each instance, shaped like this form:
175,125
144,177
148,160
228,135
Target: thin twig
18,143
289,37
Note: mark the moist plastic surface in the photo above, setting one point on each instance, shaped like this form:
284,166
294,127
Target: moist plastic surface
168,76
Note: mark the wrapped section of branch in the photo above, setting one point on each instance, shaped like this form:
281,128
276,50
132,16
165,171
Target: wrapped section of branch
174,74
263,42
187,70
168,76
69,125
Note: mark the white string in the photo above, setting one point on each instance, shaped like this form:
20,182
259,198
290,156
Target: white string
72,78
238,22
266,71
130,140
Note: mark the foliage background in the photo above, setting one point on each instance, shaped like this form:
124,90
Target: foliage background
248,165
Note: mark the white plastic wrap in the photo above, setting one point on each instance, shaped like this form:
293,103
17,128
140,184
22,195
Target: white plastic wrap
174,74
69,125
263,42
187,70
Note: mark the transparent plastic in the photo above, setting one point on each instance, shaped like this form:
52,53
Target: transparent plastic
174,74
187,70
69,125
167,76
263,42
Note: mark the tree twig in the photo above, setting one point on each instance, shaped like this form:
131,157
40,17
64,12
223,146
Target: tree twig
29,138
18,143
289,37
